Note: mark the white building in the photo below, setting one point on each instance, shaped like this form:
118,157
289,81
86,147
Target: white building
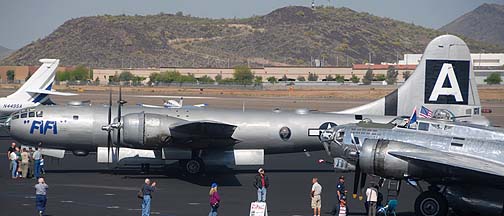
484,63
479,59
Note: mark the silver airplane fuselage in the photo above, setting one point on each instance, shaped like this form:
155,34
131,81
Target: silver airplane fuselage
79,127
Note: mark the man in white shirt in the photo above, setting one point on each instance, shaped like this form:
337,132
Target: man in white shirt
371,199
13,159
316,201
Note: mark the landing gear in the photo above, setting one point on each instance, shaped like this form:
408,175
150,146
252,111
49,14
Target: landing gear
194,166
431,203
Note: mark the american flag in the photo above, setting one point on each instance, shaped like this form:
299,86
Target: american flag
425,113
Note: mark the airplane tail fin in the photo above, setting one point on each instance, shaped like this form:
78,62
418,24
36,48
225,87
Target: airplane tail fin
39,86
444,79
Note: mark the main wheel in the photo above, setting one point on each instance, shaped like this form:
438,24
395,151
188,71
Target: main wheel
431,203
193,166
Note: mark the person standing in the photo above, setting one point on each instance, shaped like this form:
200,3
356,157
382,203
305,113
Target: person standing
371,199
147,190
18,153
12,148
41,196
31,166
261,183
343,206
340,192
37,156
316,200
25,157
214,200
13,160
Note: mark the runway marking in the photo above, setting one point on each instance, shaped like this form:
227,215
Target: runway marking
25,204
29,197
166,96
193,203
112,207
156,213
134,209
109,194
66,201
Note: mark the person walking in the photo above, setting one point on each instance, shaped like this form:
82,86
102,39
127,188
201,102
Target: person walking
25,157
340,192
214,200
18,153
316,200
343,206
37,156
41,196
147,190
13,160
31,166
261,183
371,199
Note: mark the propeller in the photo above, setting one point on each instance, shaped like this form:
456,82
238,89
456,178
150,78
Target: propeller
109,126
359,176
120,103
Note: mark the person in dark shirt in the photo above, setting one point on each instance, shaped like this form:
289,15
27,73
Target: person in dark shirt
12,148
341,192
147,190
261,183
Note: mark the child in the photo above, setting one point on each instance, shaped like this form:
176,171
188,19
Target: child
342,211
42,170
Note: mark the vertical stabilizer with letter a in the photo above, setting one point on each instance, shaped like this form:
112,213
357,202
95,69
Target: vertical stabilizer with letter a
444,79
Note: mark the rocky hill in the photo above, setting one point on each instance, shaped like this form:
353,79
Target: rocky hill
4,52
485,23
286,36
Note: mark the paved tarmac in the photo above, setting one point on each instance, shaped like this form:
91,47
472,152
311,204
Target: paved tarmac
79,186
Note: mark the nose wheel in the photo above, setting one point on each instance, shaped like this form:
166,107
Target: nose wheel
431,203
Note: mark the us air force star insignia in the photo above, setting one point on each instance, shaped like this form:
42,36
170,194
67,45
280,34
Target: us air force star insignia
323,127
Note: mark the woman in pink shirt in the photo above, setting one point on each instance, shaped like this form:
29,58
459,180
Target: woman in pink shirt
214,200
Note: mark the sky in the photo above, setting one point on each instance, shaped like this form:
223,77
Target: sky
24,21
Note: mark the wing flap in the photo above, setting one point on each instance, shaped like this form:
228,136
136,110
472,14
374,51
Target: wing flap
453,160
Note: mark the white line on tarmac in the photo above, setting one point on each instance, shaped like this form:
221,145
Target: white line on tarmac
66,201
112,207
193,203
109,194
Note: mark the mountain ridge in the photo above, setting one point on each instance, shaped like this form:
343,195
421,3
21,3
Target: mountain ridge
485,23
286,36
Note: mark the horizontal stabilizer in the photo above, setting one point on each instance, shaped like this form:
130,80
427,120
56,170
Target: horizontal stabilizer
454,160
49,92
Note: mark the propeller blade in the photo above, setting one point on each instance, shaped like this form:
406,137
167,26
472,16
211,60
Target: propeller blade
109,135
356,179
362,184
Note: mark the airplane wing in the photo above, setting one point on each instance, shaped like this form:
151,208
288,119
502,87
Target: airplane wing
454,160
202,134
150,106
49,92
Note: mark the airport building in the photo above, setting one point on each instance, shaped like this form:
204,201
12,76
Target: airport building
22,73
484,64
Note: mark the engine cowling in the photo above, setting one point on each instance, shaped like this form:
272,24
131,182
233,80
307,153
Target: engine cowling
375,159
147,130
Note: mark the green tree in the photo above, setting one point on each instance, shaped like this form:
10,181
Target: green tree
272,80
355,79
368,77
329,78
243,75
380,77
153,77
126,76
493,79
312,77
258,80
340,78
218,77
97,81
206,80
406,75
301,78
391,75
137,80
10,75
114,78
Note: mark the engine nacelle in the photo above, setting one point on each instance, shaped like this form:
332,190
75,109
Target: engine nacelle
375,159
146,130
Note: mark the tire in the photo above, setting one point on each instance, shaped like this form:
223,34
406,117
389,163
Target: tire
431,203
194,166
